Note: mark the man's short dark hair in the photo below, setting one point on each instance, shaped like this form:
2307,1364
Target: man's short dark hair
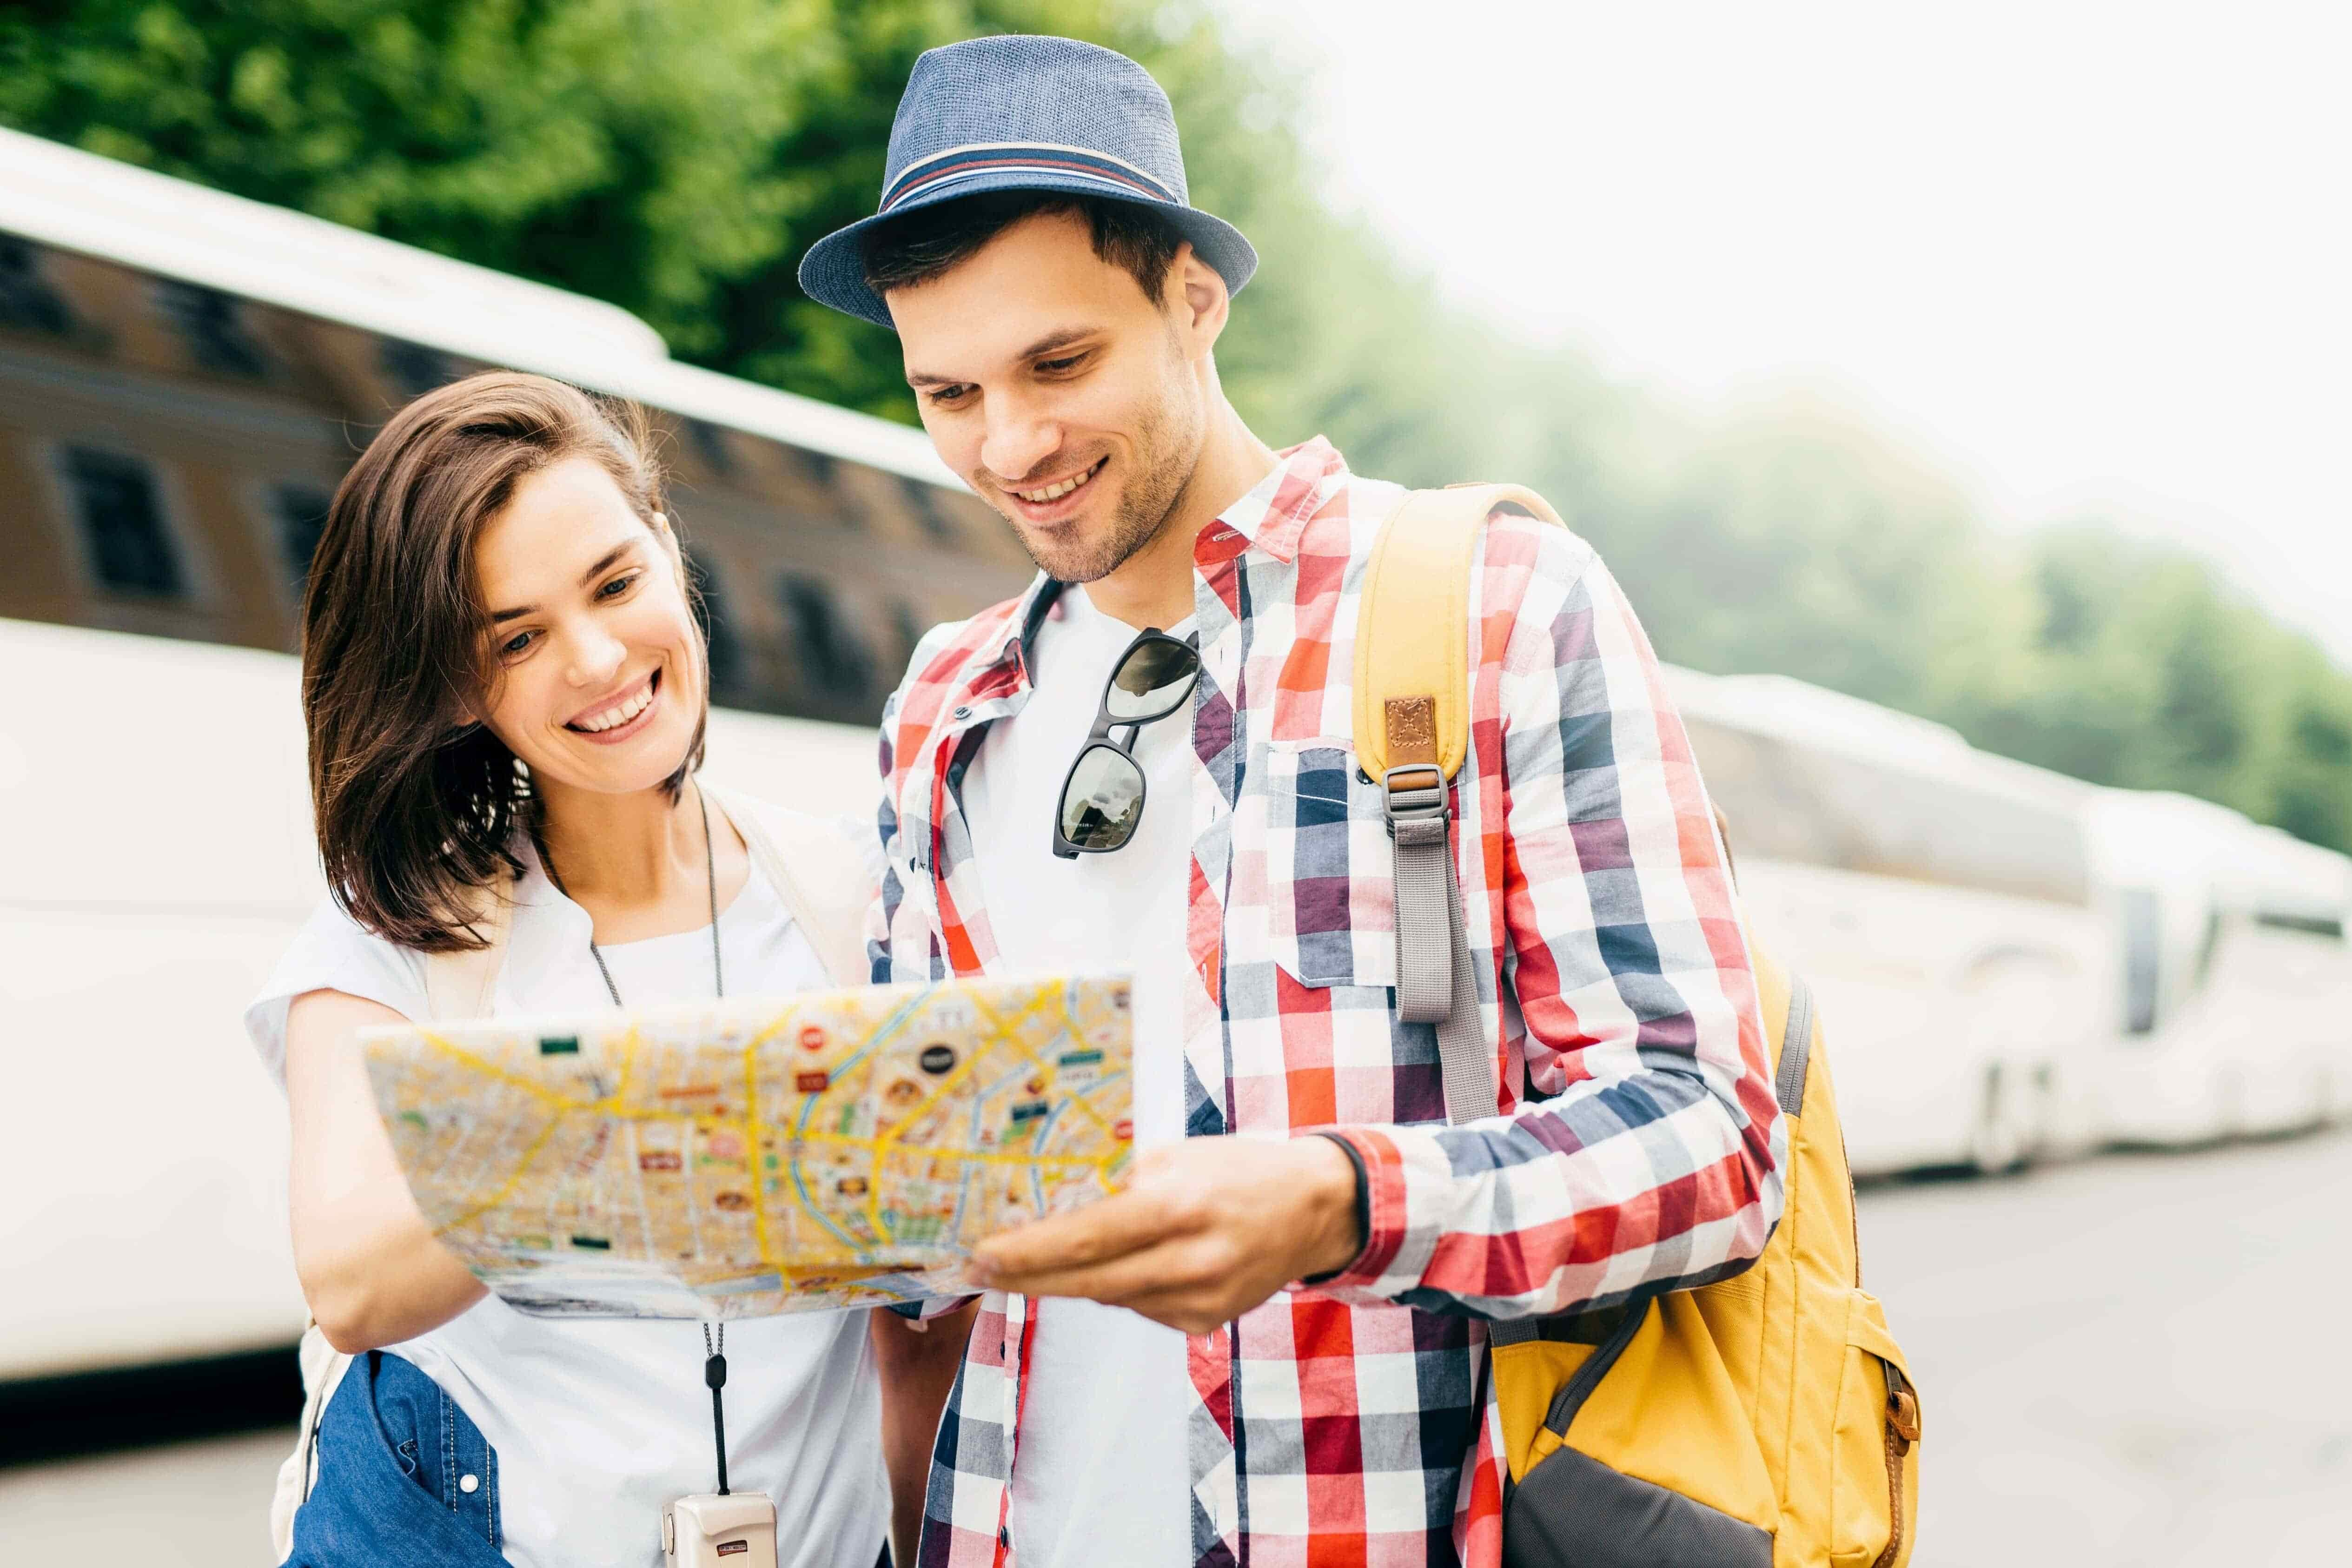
937,239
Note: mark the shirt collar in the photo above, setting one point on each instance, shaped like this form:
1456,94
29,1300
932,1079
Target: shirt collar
1273,516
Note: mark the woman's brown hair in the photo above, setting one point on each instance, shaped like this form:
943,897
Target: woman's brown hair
417,805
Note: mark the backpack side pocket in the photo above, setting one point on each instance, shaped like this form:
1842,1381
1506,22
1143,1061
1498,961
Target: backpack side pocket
1875,1494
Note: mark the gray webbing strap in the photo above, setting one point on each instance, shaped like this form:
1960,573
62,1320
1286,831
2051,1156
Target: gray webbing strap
1435,983
1796,1049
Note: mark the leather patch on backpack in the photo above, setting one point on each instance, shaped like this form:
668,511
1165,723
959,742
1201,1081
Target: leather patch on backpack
1412,727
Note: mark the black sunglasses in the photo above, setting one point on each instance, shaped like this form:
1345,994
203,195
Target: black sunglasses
1102,795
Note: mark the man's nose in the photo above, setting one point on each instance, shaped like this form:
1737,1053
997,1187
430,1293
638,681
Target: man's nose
1020,440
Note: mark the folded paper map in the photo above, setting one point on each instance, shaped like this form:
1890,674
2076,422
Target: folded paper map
732,1159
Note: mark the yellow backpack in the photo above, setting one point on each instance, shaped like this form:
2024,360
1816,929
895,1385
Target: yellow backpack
1764,1421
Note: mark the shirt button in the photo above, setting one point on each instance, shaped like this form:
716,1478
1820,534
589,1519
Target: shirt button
470,1483
961,712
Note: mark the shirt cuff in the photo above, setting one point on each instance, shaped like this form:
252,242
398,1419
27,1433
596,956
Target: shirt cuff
1363,1211
1392,1258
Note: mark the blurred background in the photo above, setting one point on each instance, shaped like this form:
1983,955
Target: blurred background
1958,393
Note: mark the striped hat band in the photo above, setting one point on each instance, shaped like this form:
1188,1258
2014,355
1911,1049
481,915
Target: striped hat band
937,173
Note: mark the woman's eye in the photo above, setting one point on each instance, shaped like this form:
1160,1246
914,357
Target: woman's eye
515,644
618,586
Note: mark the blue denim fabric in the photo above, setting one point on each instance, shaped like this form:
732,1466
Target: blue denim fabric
392,1451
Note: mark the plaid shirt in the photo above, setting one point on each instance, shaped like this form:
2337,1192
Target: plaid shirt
1636,1141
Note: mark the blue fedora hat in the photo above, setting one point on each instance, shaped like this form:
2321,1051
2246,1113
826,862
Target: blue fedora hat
1021,112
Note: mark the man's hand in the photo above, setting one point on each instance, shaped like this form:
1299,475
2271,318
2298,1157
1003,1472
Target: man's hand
1207,1230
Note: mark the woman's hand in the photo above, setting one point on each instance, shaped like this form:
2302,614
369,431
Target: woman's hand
369,1267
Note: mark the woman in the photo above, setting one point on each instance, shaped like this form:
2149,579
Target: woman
506,689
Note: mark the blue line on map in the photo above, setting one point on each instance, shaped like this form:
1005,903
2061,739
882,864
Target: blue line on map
891,1026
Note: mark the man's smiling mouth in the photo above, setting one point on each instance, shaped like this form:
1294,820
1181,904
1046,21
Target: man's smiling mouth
1056,492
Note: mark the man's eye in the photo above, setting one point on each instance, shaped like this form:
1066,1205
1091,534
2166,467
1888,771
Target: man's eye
948,394
1056,367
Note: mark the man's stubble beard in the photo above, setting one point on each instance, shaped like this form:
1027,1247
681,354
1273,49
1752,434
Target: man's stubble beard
1146,506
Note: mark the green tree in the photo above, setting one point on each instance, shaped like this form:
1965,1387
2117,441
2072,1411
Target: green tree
678,159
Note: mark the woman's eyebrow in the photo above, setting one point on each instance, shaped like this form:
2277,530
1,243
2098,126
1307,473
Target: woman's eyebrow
500,617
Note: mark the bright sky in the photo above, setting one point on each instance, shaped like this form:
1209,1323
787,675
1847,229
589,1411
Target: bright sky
2089,254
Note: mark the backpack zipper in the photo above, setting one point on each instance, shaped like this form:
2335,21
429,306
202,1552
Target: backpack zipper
1902,1431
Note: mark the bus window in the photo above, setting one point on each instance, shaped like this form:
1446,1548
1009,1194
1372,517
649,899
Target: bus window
822,472
924,498
2143,930
213,329
710,445
27,303
2326,925
301,516
129,547
836,668
717,630
413,368
910,628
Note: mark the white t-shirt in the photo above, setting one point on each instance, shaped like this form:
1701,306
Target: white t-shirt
598,1424
1099,1469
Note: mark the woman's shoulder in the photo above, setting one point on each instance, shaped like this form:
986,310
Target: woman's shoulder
827,870
841,841
333,952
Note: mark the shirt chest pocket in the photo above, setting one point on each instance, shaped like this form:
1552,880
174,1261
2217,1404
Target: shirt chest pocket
1315,833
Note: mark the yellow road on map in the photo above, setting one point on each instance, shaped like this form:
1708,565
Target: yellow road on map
735,1159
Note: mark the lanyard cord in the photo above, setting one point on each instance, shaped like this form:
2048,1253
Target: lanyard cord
710,877
714,1373
714,1366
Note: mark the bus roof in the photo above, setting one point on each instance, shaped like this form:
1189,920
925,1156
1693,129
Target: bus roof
77,201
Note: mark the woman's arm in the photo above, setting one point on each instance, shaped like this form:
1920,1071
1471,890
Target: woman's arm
369,1267
918,1362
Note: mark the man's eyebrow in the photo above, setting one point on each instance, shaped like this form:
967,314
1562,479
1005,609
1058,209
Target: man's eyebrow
1061,337
500,617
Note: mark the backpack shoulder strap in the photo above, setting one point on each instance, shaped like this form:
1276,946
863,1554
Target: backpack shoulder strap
1411,726
1413,626
819,875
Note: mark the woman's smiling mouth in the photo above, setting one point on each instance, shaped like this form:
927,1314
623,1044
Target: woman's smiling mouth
621,718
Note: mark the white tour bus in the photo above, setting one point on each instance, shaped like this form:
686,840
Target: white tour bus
1940,900
183,377
2237,979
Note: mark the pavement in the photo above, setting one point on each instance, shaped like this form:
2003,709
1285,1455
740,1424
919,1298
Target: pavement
2133,1362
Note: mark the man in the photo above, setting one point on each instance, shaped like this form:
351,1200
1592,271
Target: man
1269,1349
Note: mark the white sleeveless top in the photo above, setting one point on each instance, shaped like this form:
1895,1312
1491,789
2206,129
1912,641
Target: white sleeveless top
599,1423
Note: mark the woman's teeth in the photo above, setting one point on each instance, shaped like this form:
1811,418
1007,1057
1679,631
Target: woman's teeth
613,717
1056,492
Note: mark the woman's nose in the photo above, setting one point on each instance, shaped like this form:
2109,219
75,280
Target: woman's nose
595,656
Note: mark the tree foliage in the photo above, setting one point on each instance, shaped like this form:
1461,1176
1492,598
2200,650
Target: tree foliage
678,159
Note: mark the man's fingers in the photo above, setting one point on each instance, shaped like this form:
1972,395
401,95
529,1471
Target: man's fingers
1113,1228
1177,1268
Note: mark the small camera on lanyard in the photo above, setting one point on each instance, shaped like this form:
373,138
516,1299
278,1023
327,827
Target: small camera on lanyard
722,1529
712,1530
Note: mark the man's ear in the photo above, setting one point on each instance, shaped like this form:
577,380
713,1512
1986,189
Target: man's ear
1203,303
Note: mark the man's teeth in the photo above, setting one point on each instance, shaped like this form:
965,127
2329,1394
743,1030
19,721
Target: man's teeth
612,718
1056,492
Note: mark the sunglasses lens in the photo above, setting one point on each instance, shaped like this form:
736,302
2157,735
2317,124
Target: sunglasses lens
1103,800
1153,678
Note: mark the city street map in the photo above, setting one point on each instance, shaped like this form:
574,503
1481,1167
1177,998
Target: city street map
734,1159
